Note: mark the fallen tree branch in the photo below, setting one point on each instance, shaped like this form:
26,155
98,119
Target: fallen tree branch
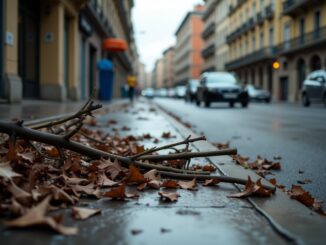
187,155
199,177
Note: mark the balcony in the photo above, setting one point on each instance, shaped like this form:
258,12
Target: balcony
315,38
269,11
293,7
231,9
209,51
233,35
210,29
251,23
257,56
260,18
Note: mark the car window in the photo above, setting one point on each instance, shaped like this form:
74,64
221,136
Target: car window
221,78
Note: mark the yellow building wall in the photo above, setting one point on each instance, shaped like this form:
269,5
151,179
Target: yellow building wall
11,25
51,55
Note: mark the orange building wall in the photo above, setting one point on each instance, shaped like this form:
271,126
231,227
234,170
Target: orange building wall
197,46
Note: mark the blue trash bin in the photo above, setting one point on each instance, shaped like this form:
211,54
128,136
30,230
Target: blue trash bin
106,79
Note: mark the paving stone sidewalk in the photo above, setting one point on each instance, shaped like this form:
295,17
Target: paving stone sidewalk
205,216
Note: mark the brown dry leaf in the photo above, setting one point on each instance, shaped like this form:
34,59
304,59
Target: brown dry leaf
166,135
155,184
274,166
135,176
136,149
172,184
51,151
147,136
119,193
152,175
253,189
19,194
188,185
169,196
36,217
298,193
12,151
125,128
222,146
211,182
84,213
7,172
209,168
112,121
142,186
88,190
27,156
104,181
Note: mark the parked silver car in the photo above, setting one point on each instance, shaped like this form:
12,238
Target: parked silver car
257,94
314,88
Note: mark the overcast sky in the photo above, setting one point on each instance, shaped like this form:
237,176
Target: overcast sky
155,22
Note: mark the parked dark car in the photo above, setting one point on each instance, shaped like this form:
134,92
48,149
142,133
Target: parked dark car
314,88
221,87
191,90
257,94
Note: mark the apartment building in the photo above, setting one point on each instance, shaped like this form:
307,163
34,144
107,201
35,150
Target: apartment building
215,50
52,47
253,34
168,66
157,73
189,45
303,45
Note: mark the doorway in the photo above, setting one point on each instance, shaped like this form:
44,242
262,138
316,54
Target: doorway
83,68
28,47
284,88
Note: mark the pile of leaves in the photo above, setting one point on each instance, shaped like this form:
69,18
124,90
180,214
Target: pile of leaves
36,179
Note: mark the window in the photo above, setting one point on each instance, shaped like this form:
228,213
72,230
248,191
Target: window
261,45
286,36
317,24
302,30
261,6
271,38
253,43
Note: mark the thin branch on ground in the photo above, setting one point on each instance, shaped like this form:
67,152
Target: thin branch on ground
155,149
39,151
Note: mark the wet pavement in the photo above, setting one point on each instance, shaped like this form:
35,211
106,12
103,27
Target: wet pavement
205,216
295,133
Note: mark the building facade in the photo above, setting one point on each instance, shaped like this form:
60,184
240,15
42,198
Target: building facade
303,46
168,66
253,35
157,73
287,33
188,48
215,50
52,47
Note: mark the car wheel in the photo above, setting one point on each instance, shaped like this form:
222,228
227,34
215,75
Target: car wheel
267,101
305,100
244,104
207,103
198,102
325,99
231,104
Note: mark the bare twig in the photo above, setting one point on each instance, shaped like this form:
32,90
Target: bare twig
40,152
74,131
223,178
90,138
85,110
187,155
155,149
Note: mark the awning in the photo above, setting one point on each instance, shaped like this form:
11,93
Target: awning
115,45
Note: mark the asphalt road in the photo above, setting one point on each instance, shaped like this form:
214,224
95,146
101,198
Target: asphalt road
295,133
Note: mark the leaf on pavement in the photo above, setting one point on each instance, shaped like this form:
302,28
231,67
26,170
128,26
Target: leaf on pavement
84,213
253,189
19,194
36,217
12,151
211,182
104,181
172,184
298,193
209,168
51,151
7,172
88,190
169,196
188,185
166,135
119,193
152,175
135,176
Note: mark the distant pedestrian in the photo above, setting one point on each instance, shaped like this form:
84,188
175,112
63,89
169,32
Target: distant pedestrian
132,82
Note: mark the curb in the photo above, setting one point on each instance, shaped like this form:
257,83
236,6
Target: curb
291,219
